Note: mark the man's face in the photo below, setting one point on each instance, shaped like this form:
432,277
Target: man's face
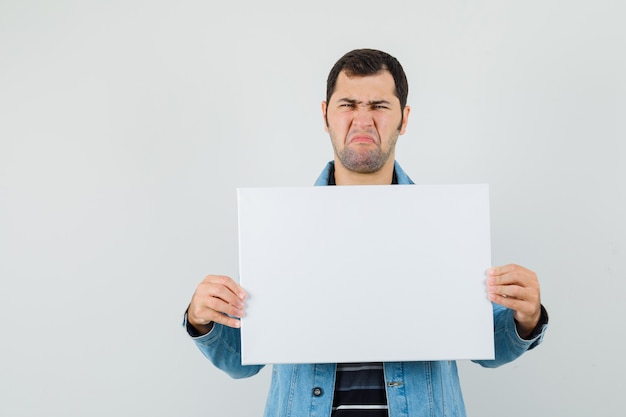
364,120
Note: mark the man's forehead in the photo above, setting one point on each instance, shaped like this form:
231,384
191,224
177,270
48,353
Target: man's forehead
375,87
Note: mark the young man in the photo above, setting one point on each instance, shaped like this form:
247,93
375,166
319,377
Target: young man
364,113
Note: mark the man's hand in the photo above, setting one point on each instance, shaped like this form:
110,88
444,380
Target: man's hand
517,288
216,298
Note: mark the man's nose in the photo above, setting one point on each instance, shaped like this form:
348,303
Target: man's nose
363,117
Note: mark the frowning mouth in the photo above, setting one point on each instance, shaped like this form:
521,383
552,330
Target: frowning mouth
362,139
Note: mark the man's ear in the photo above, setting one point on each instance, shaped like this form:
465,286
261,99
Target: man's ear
324,117
405,119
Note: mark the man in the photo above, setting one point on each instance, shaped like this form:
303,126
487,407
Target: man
364,113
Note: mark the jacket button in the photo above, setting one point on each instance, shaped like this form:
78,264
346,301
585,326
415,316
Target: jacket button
317,391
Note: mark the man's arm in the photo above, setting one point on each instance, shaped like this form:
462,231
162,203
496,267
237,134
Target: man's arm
517,288
212,320
520,320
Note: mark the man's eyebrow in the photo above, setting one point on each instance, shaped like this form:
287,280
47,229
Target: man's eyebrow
376,102
369,103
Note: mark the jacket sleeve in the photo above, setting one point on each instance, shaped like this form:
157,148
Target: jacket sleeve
222,346
508,344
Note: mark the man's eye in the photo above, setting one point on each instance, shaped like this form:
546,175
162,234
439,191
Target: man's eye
380,106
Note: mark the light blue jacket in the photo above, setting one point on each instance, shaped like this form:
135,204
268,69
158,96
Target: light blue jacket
413,388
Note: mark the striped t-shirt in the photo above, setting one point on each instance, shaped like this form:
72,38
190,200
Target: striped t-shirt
360,390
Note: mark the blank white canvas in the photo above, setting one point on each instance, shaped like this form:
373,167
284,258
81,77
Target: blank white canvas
365,273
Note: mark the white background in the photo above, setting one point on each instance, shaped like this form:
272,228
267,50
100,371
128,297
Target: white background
126,126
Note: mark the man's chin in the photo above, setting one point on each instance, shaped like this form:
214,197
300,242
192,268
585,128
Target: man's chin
363,160
364,166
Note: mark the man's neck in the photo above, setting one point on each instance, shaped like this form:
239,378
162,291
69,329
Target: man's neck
383,176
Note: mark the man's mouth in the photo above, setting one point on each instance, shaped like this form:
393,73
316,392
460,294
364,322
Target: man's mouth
362,139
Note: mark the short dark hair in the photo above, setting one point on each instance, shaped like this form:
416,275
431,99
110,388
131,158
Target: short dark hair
363,62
